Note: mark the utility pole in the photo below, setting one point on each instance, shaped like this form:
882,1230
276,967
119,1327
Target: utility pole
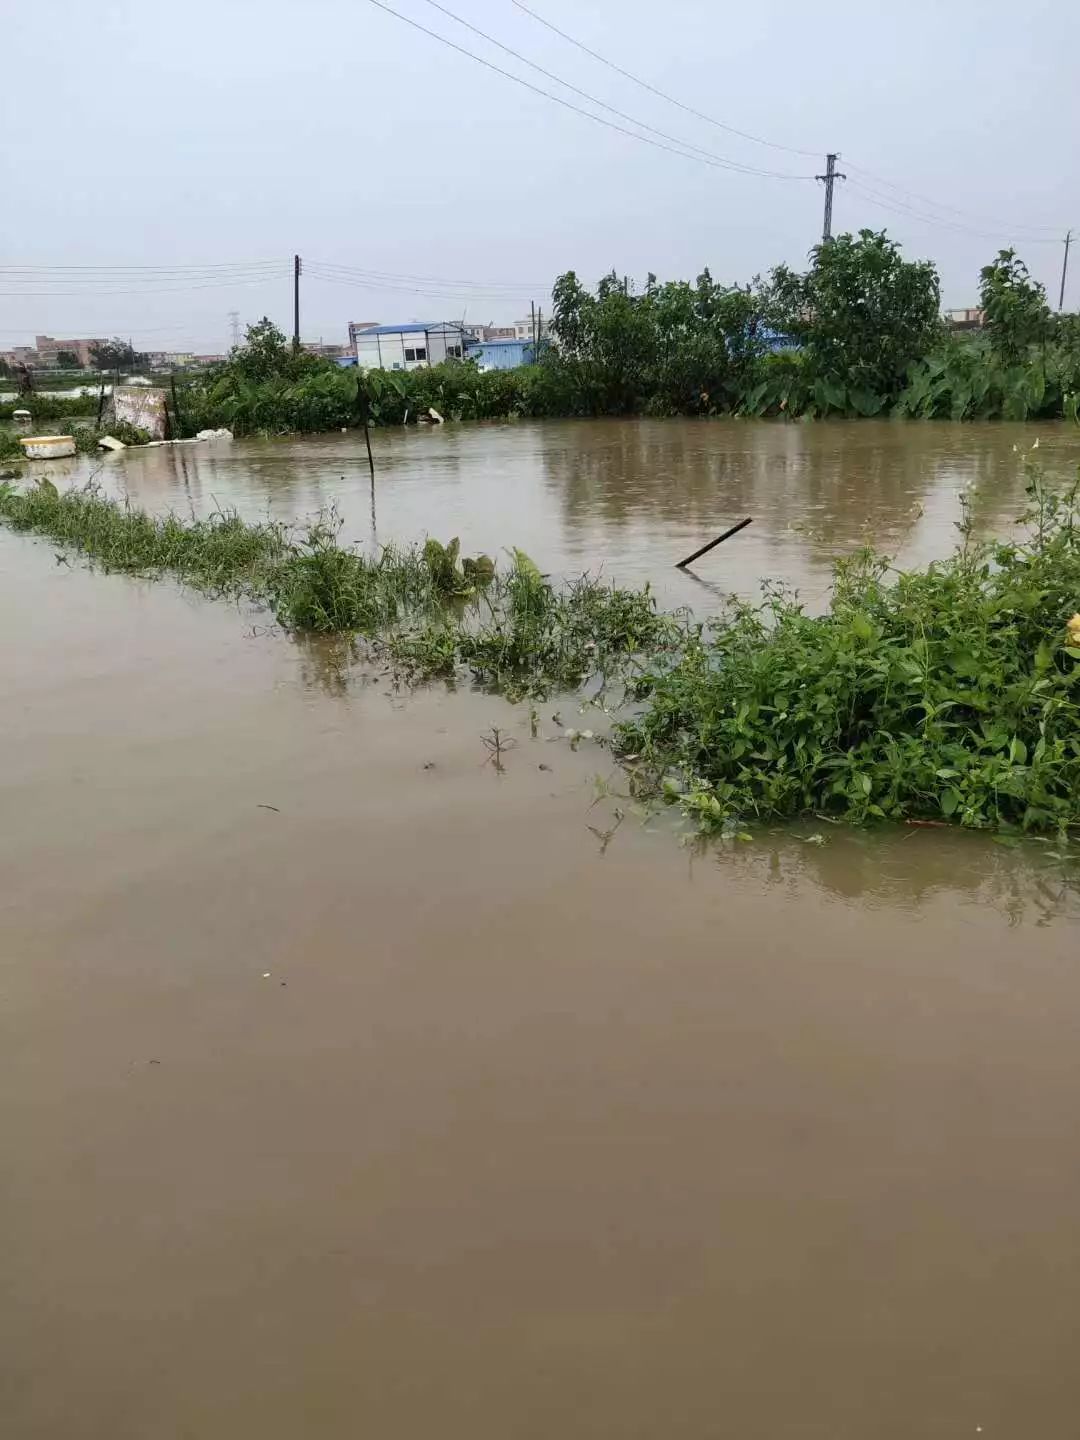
234,326
831,175
296,303
1064,270
532,320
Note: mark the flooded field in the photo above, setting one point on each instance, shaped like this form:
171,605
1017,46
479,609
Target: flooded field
628,498
351,1087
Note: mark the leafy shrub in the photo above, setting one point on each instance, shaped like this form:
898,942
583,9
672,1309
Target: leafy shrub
50,407
861,313
10,449
951,692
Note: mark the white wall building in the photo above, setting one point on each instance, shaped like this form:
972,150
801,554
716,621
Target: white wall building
409,347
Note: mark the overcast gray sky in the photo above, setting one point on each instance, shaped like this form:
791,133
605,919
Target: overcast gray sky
240,131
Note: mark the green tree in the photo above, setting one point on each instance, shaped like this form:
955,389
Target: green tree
266,354
113,355
67,360
1016,313
608,341
675,348
861,313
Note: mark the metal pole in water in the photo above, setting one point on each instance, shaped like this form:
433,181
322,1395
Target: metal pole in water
713,543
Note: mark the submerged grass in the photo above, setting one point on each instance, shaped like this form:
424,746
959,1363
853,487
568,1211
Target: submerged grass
431,609
219,554
949,694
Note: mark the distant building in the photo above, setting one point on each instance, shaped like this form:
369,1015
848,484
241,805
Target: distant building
327,352
523,329
48,349
21,355
355,327
520,330
410,346
501,354
965,319
170,359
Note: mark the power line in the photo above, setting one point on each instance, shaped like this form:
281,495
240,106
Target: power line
899,208
938,205
569,105
145,289
316,272
760,140
173,331
365,273
107,272
633,120
653,89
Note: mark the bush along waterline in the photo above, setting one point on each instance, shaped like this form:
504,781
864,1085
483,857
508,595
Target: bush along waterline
950,693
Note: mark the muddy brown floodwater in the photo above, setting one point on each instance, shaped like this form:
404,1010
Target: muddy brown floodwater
349,1087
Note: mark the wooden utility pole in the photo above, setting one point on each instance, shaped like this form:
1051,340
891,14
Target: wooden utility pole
1064,270
296,303
830,177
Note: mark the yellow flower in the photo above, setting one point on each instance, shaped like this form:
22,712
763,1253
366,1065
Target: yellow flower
1072,629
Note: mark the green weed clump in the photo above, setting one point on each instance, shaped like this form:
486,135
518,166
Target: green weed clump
948,693
219,554
10,449
87,438
531,635
49,407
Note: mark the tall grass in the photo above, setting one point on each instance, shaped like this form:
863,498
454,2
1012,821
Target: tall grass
219,554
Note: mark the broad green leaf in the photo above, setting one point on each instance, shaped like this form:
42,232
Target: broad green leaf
950,801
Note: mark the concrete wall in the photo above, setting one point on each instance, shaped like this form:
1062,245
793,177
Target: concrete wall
142,405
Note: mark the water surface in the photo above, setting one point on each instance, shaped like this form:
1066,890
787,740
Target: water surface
629,498
350,1087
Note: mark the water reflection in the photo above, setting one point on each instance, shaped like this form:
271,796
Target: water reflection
904,869
628,497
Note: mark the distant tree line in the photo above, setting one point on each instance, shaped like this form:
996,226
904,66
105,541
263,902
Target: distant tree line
858,333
